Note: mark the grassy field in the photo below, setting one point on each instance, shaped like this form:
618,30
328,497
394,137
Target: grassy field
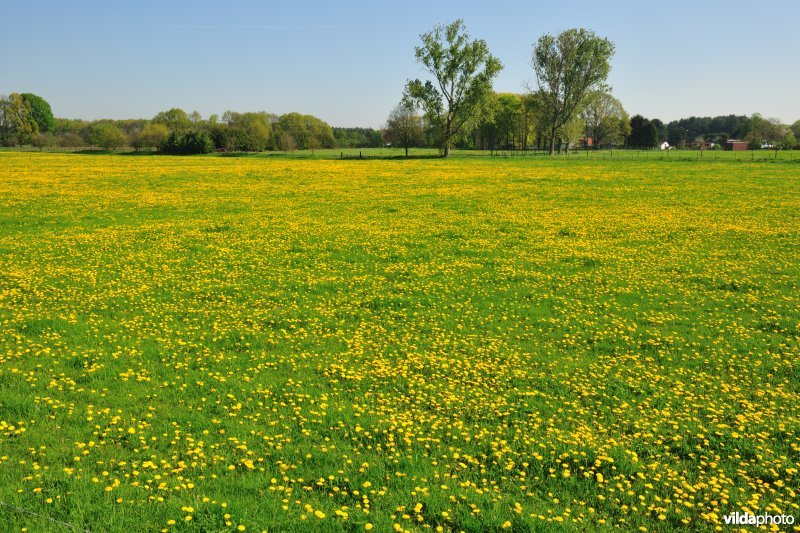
218,344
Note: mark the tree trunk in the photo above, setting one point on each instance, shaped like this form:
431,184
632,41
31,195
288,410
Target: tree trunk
406,150
447,135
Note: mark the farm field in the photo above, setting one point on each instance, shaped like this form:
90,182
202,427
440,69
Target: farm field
230,344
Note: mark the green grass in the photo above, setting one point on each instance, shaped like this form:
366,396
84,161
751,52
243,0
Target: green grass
269,331
414,153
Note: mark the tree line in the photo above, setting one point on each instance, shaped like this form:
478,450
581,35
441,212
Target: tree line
570,105
714,132
27,119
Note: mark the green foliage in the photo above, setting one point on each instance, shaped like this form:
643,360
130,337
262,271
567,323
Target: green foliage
246,132
506,116
716,129
463,70
107,135
789,141
174,119
605,120
404,127
17,126
70,125
306,131
70,140
151,136
40,112
188,143
763,131
796,129
44,140
285,142
357,137
643,133
569,67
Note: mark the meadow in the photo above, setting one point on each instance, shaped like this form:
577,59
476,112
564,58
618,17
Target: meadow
471,344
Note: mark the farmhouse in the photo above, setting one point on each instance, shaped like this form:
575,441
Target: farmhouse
665,146
735,145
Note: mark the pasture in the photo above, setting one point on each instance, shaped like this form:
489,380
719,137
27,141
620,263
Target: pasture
256,343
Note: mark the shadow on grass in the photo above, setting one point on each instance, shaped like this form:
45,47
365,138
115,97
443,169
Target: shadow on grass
115,152
387,157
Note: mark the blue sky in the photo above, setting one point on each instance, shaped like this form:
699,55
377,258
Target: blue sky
347,62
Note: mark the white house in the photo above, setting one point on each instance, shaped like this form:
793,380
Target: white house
664,146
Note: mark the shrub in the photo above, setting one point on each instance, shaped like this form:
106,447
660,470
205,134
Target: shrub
192,142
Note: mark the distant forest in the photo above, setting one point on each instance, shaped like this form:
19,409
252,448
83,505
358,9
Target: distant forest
27,119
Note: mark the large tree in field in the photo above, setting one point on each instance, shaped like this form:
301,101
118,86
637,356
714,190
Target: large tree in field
605,119
40,112
17,125
569,67
463,70
643,133
404,126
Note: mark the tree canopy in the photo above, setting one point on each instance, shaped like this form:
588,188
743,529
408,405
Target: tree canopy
17,125
404,126
568,68
643,133
605,119
463,72
175,119
40,112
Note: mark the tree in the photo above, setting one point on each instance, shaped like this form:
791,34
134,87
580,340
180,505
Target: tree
70,139
357,137
320,134
44,140
796,129
763,131
404,126
463,70
17,125
40,112
661,129
789,141
247,131
568,68
293,125
605,119
775,133
108,136
257,131
286,142
151,136
307,131
188,143
175,119
506,116
643,133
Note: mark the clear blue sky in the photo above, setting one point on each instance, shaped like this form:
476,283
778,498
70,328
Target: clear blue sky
347,62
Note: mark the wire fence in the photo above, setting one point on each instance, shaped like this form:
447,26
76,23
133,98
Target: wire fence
656,154
429,153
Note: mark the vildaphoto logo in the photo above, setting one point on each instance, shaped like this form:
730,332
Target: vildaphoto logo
749,519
